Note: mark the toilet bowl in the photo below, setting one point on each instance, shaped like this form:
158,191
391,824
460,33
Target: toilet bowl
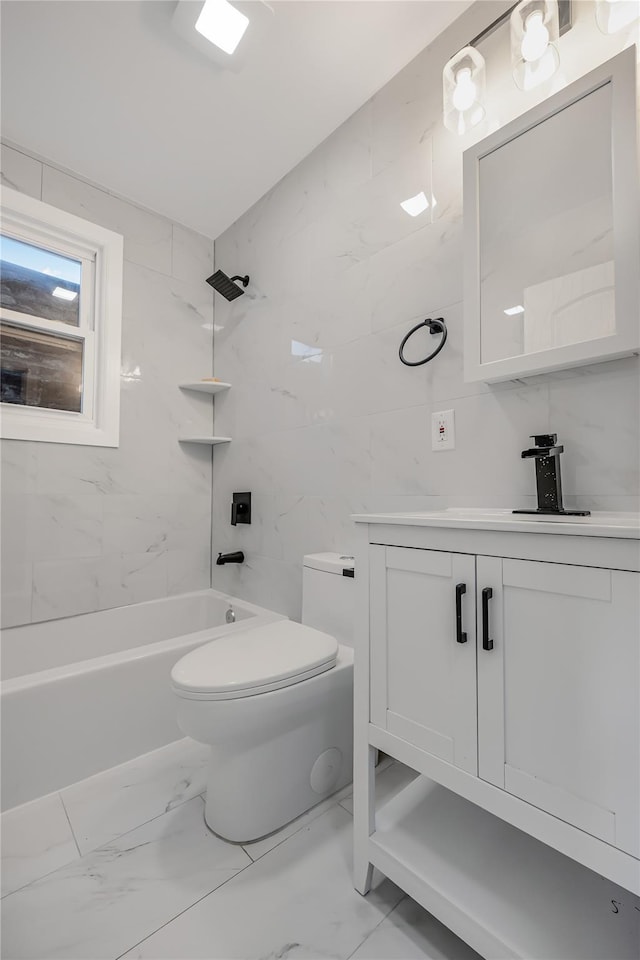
276,705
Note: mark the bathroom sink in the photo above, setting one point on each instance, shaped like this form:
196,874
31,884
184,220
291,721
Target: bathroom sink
598,517
478,513
597,524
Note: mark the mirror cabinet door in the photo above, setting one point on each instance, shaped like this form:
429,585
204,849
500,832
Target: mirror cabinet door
543,291
546,234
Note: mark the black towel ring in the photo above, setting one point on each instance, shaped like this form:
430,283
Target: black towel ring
435,326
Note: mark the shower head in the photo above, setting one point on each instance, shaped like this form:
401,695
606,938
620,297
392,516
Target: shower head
227,286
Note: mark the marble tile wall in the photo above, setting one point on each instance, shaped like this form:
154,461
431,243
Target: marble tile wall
85,528
325,420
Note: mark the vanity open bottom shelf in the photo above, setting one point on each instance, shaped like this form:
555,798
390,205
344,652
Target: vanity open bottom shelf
504,892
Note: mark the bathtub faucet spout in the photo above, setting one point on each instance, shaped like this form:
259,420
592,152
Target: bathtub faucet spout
237,557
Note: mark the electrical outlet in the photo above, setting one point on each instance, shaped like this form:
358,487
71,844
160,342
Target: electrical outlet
443,430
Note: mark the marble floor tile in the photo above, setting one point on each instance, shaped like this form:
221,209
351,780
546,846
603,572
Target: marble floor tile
36,839
116,896
109,804
258,848
297,901
410,933
389,780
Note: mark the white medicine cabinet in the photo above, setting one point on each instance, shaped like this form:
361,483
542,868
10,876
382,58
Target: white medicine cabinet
552,248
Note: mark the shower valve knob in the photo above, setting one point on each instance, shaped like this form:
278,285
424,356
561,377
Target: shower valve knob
241,508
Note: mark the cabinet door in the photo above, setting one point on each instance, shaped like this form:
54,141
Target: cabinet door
423,680
558,695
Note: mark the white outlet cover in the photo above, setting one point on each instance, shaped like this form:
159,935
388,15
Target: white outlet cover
443,430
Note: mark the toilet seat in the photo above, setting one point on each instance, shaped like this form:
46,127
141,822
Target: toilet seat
256,661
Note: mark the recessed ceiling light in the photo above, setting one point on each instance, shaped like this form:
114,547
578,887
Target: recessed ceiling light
65,294
222,24
415,205
511,311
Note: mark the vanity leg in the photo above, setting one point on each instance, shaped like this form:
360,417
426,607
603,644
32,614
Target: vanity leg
364,755
362,881
364,793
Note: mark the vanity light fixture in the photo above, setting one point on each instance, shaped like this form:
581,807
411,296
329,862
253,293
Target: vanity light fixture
221,24
614,15
535,31
463,83
65,294
414,206
536,26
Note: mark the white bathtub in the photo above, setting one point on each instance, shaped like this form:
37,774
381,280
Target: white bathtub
85,693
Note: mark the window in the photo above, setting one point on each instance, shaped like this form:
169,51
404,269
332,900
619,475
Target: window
60,319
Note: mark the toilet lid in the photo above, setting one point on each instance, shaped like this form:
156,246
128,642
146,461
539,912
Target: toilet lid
259,659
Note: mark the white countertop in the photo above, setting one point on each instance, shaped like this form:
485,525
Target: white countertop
598,524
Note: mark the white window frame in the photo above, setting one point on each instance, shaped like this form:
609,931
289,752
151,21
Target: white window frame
100,252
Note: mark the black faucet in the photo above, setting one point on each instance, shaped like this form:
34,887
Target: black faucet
237,557
548,481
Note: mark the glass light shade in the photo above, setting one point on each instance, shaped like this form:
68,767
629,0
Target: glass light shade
614,15
535,31
463,90
222,24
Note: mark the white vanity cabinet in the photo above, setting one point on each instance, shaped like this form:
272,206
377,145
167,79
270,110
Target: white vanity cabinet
423,682
559,693
541,700
499,657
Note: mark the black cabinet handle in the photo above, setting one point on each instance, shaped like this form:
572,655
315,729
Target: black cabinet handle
461,588
487,593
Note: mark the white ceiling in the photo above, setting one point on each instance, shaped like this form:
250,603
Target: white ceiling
108,90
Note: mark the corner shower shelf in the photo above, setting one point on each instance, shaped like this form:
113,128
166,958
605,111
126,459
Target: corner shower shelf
209,440
210,387
205,386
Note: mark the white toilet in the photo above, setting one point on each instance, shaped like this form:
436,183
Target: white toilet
276,705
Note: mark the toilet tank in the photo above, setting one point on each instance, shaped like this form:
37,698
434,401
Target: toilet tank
328,595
